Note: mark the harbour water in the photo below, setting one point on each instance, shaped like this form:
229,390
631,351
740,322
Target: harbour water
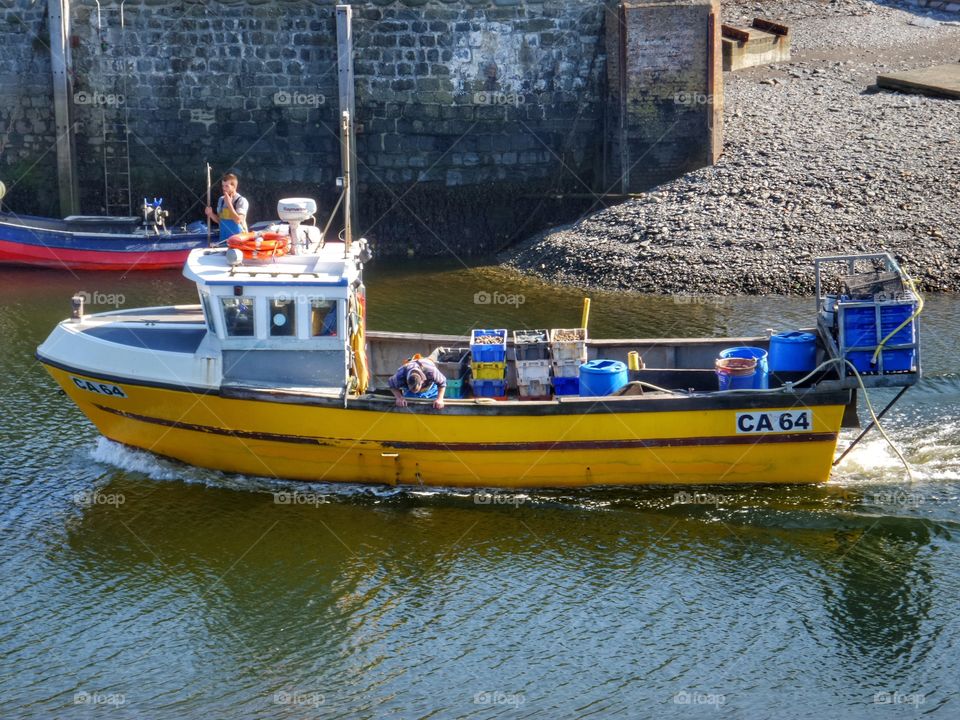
136,587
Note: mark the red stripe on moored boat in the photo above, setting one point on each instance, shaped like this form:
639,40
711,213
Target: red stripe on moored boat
61,258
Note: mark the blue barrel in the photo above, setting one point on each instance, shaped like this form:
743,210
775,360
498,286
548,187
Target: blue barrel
760,379
793,352
602,377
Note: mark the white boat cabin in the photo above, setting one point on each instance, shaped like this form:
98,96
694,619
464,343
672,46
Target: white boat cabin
284,321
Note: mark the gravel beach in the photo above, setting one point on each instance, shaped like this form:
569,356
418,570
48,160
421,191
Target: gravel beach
816,161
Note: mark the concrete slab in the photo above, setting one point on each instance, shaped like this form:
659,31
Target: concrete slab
940,80
745,47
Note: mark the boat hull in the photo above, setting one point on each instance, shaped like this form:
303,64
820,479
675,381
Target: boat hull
51,244
469,445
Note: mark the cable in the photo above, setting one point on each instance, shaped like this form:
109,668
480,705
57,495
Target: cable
876,420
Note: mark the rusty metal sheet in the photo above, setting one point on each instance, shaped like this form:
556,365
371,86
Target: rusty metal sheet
770,27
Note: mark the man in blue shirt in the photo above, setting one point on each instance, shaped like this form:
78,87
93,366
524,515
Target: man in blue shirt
231,214
418,378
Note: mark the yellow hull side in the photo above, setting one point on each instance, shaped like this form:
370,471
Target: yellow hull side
331,444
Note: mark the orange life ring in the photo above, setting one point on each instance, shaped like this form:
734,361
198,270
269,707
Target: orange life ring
260,245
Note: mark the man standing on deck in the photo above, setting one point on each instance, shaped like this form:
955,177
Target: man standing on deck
231,214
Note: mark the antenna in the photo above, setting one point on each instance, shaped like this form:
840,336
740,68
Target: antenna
347,182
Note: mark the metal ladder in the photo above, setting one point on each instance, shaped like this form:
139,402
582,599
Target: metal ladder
113,70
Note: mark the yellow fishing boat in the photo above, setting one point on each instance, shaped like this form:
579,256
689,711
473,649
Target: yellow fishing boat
273,374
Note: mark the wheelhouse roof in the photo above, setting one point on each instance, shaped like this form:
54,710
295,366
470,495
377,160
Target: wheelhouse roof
326,267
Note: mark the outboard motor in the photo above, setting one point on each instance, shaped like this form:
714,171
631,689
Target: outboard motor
152,211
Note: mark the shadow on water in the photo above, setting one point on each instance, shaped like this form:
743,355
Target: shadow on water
853,568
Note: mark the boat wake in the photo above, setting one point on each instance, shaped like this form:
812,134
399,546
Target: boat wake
122,457
143,462
933,453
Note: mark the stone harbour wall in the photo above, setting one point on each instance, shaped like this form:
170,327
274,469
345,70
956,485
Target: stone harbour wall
472,114
27,127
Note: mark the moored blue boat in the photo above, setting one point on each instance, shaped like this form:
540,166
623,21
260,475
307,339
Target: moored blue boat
82,242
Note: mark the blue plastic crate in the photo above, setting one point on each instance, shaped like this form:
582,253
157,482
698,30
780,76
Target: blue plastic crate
566,385
493,352
891,318
893,360
860,324
858,328
489,388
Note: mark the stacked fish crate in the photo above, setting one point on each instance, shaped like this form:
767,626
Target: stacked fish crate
488,363
454,364
869,318
532,354
568,350
877,306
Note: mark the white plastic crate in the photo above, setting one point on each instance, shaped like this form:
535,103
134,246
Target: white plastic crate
537,389
567,369
529,371
568,345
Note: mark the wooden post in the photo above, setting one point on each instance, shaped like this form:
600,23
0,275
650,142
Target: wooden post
625,166
209,198
60,63
348,153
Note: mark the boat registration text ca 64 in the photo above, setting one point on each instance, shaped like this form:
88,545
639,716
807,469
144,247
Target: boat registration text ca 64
782,421
99,388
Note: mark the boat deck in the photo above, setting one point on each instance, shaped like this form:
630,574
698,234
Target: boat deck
159,339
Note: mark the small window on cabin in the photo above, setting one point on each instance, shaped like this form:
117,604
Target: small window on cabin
283,317
238,316
323,317
208,311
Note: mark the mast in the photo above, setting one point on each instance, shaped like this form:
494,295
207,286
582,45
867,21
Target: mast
345,151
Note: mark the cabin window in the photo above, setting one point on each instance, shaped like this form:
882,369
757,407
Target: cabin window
323,317
283,316
238,316
208,311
